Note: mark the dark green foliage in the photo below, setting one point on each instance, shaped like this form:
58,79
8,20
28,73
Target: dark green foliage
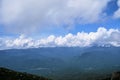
6,74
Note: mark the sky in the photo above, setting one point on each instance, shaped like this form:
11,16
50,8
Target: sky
59,23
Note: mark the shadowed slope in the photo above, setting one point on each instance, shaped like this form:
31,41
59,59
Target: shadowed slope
6,74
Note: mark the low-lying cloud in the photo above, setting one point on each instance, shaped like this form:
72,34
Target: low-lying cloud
102,37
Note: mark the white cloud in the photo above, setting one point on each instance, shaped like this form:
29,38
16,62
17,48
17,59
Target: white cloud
102,37
28,15
117,13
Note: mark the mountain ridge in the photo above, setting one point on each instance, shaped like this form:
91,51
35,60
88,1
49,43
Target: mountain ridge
7,74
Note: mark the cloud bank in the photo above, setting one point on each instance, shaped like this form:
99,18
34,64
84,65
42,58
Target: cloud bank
102,37
23,16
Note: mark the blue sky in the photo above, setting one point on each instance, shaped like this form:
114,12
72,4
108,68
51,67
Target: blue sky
41,19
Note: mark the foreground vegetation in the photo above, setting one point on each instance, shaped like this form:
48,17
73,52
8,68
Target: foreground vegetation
6,74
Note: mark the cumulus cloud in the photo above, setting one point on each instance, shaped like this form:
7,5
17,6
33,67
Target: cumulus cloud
117,13
102,37
29,15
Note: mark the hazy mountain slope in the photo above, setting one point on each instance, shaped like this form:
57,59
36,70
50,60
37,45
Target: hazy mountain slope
63,63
